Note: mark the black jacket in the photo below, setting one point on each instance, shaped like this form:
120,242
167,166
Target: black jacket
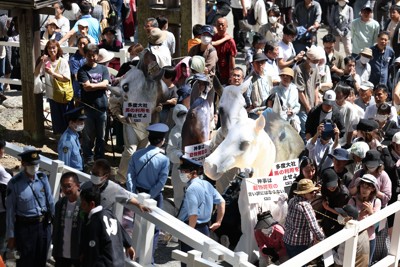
313,120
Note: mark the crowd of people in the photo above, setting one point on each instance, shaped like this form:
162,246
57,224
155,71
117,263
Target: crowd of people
343,104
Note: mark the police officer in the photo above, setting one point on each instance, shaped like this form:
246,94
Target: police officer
200,196
30,207
69,147
148,169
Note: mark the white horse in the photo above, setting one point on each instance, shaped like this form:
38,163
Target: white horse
246,145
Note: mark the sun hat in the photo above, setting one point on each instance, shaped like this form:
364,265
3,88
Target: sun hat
370,179
287,71
104,56
305,186
313,53
366,125
359,149
366,52
340,154
366,85
53,21
156,36
372,159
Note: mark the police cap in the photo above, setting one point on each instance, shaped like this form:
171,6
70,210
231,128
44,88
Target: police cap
30,156
190,164
75,114
158,130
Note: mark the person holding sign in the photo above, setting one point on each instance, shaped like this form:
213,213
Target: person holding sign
198,201
301,227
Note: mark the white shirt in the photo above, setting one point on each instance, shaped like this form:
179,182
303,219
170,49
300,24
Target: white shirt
69,214
74,13
286,51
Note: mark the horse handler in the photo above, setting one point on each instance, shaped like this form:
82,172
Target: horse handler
198,201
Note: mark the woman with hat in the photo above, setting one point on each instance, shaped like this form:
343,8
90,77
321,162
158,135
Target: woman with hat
308,170
111,43
288,93
367,131
156,39
357,153
269,238
301,227
372,164
367,202
335,195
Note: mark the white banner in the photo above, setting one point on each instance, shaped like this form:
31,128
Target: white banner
137,112
269,188
198,152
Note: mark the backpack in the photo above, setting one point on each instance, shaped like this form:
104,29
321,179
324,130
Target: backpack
112,17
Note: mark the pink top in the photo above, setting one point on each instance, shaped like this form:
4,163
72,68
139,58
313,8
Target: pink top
377,206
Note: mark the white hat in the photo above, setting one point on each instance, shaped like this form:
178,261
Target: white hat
397,60
54,22
313,53
83,23
104,56
359,149
366,85
396,138
329,98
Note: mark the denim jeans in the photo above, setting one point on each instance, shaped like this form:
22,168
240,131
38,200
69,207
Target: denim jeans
295,250
372,245
93,134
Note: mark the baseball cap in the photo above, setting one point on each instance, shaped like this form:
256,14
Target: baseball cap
329,98
396,138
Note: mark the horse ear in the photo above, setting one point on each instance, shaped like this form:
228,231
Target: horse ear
245,85
219,89
260,123
277,108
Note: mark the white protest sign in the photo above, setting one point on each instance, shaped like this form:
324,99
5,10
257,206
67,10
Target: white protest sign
264,189
268,188
137,112
198,152
287,171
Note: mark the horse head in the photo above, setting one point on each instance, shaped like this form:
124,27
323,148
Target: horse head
286,139
231,105
246,145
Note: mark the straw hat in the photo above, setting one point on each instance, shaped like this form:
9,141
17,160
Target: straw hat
305,186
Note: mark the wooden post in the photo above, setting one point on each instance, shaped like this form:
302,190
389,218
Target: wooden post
32,104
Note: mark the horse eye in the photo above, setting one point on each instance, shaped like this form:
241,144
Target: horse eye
125,87
244,145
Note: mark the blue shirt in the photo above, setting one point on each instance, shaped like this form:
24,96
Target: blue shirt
76,61
21,201
149,174
380,63
199,199
69,149
94,27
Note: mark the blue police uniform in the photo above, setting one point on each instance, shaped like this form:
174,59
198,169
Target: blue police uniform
148,170
69,149
200,196
27,203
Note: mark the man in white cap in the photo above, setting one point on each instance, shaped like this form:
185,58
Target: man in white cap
365,98
363,68
306,80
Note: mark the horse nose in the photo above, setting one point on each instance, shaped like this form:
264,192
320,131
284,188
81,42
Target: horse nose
210,170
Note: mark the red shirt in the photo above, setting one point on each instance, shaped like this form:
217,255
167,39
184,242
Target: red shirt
224,51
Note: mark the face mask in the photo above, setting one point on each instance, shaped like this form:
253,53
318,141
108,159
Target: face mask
32,169
372,170
272,20
380,118
206,39
79,128
96,179
364,60
314,66
183,177
342,3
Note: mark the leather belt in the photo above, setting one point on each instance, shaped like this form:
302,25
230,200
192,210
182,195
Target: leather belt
36,219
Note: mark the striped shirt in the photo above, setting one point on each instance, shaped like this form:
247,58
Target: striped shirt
301,225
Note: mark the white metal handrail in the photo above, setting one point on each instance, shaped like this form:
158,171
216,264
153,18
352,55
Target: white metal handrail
144,222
